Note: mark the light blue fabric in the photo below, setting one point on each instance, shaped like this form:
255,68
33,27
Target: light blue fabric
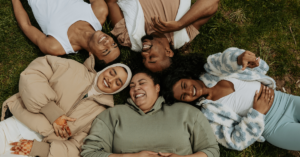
231,130
282,125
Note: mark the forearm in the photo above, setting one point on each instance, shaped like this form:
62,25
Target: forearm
20,14
198,154
122,155
200,9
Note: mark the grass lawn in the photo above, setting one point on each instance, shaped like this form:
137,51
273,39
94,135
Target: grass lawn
269,28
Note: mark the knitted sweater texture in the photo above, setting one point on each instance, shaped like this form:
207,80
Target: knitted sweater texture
231,130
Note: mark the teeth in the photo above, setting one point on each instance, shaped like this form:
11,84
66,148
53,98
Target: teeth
139,95
146,46
105,83
194,92
102,39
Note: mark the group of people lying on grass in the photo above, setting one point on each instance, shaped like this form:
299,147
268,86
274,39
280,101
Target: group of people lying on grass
65,108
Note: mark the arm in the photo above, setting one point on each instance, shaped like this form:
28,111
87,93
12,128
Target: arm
203,139
200,12
115,14
226,63
231,130
46,44
99,141
51,148
100,10
35,90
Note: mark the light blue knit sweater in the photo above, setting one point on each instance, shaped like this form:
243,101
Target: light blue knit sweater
231,130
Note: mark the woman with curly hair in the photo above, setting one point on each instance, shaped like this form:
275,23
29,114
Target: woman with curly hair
146,127
239,100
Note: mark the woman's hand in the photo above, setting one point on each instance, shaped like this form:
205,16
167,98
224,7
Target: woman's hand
165,27
264,103
248,59
61,127
21,148
169,154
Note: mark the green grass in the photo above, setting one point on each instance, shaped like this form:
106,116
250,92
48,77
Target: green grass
269,28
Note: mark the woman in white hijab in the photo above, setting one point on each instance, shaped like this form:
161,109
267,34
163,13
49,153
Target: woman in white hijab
51,91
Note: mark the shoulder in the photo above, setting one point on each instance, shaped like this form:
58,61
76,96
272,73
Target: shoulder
100,10
183,108
115,111
49,45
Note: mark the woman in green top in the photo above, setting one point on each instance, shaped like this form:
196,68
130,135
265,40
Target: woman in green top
146,127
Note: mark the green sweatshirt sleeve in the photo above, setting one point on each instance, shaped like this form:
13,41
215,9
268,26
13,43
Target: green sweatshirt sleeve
203,138
99,142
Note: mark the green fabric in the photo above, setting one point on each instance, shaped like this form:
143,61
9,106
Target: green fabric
181,129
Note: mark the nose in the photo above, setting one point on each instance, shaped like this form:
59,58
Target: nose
189,91
137,87
106,42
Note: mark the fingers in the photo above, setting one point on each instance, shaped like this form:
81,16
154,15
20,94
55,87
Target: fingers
68,130
163,23
70,119
15,143
64,132
56,131
164,154
264,93
61,134
256,96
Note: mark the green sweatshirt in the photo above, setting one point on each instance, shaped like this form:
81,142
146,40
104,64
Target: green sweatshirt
180,128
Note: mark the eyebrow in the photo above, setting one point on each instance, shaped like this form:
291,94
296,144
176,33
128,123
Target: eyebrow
121,81
181,88
107,53
141,80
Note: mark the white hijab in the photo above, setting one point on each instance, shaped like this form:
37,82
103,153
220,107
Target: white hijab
95,89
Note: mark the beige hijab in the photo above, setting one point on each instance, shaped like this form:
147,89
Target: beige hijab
96,91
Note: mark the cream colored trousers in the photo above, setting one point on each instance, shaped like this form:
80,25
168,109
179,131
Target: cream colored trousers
12,130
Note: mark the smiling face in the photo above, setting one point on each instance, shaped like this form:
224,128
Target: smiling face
143,91
104,47
112,79
188,90
156,53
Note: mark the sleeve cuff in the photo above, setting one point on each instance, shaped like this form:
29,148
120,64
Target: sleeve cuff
52,111
40,149
208,153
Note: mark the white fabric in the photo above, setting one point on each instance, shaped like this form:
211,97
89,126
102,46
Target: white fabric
96,91
56,16
12,130
181,37
241,100
135,23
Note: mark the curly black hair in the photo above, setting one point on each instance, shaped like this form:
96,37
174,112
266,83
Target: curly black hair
152,75
100,64
184,67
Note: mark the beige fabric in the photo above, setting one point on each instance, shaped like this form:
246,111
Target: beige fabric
52,111
65,82
40,149
165,9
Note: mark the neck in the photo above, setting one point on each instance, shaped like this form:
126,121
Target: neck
205,90
81,35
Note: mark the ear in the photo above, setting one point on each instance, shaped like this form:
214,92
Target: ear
90,53
157,88
169,52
